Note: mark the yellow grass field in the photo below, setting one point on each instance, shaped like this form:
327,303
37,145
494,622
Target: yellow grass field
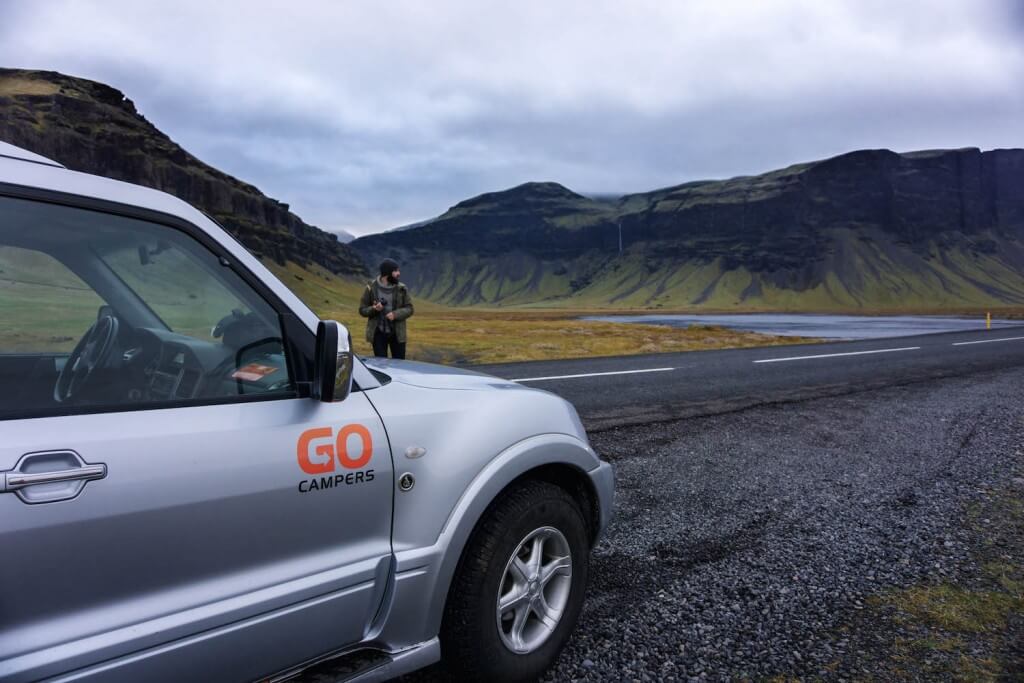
473,335
54,319
487,335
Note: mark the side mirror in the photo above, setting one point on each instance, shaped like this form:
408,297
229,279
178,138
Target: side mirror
332,377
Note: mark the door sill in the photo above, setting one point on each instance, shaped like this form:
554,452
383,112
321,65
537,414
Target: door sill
365,665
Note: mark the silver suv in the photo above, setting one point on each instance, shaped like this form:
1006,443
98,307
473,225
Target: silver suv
200,481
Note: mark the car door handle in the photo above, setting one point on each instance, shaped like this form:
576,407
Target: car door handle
16,480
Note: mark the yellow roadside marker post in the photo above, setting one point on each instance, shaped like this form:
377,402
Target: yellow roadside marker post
988,320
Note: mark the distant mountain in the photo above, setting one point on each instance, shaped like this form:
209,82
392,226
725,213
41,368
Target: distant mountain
344,236
91,127
410,226
871,229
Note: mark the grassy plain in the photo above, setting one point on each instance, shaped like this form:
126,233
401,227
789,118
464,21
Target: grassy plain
498,335
58,313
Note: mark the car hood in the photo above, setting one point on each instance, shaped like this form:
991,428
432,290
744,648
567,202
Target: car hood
430,376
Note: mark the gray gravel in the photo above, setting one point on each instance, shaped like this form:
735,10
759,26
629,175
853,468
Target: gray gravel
744,542
748,545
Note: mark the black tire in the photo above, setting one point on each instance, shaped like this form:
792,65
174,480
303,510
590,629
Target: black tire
471,646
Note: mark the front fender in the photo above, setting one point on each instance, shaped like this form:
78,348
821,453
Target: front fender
423,575
444,439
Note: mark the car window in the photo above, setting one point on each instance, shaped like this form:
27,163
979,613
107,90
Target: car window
50,304
175,286
109,312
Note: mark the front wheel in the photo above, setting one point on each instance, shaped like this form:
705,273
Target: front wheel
519,587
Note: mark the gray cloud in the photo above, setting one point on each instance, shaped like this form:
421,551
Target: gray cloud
368,116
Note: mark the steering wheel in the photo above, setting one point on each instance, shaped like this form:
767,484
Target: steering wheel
92,351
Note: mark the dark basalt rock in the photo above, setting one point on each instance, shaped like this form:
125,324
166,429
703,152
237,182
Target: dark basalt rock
780,226
92,127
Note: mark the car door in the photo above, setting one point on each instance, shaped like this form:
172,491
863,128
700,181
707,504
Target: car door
183,514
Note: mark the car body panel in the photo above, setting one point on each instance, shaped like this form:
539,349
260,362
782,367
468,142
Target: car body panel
10,151
431,376
461,432
202,515
229,570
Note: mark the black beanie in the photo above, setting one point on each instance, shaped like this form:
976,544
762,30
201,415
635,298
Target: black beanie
387,266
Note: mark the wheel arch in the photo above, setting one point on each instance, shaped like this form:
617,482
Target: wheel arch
569,478
560,459
573,481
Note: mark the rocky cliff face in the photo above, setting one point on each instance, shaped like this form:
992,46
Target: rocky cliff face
867,229
535,217
91,127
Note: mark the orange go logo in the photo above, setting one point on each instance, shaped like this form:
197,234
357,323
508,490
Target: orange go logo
319,458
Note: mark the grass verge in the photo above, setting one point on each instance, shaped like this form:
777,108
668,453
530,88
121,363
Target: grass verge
472,335
971,631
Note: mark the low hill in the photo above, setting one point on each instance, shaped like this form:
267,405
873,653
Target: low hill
871,229
88,126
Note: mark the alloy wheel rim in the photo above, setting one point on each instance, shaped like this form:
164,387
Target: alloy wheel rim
534,590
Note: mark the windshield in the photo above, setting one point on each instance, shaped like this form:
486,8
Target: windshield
176,286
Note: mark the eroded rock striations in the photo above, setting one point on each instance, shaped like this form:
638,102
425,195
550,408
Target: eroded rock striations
91,127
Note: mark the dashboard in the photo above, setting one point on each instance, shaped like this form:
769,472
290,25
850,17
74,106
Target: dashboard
173,377
175,366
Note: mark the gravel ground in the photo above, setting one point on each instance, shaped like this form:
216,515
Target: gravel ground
774,543
746,544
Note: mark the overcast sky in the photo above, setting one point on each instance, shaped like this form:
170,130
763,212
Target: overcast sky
368,115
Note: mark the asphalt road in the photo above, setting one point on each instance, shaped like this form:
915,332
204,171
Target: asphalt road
785,541
772,533
630,390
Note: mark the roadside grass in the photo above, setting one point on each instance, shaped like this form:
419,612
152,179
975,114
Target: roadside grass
507,336
444,334
441,334
956,610
971,631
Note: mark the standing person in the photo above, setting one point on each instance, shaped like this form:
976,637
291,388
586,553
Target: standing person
386,304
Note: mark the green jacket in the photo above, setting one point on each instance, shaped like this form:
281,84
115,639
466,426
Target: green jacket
403,309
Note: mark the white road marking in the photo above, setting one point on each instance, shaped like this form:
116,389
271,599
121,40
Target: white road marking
987,341
834,355
590,374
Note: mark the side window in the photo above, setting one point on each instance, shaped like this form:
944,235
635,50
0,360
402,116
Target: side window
43,305
107,312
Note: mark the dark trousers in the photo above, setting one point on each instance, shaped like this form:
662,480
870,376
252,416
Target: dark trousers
381,343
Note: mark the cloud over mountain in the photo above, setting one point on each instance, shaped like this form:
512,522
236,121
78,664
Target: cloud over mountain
368,116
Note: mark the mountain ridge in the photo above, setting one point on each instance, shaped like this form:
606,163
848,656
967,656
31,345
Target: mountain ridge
92,127
862,230
868,228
